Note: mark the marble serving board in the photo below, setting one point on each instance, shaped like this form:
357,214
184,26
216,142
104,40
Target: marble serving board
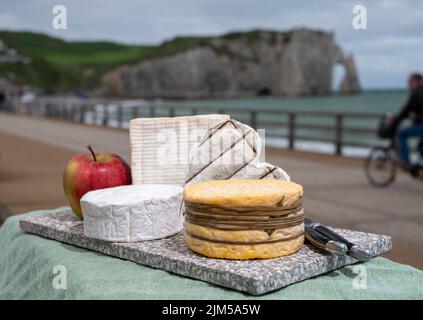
171,254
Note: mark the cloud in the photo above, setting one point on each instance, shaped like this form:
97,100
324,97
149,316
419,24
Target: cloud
384,52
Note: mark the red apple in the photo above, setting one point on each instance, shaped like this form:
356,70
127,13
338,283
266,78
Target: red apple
87,172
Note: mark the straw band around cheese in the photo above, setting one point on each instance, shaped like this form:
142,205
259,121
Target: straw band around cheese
247,218
244,219
295,236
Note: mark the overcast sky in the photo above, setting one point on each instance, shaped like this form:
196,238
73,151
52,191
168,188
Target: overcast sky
390,48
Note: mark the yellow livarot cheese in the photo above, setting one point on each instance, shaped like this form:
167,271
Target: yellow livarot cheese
251,242
242,252
244,193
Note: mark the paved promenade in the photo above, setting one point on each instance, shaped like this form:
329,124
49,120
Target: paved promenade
33,153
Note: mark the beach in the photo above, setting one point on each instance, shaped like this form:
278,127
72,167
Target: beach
35,151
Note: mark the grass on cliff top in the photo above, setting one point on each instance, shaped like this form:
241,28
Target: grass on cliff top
62,65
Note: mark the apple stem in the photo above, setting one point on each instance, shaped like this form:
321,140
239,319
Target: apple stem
92,152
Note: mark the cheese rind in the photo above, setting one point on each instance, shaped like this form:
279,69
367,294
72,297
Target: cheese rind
242,252
231,150
161,147
244,193
244,219
133,213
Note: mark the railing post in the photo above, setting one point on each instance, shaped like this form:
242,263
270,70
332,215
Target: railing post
56,110
93,109
253,120
134,113
70,111
119,116
40,110
171,112
77,112
152,111
62,111
52,109
291,130
105,115
73,112
338,134
67,112
47,110
81,113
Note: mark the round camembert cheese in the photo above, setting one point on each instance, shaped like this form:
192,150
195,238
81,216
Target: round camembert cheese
133,213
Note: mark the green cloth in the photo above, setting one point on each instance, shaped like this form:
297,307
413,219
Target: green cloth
27,262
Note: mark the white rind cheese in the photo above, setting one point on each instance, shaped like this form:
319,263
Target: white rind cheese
230,150
133,213
160,147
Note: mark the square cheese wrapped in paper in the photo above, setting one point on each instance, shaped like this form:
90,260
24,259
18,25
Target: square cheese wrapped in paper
160,147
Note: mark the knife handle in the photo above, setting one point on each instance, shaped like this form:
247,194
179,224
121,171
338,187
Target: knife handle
325,243
354,251
330,234
360,253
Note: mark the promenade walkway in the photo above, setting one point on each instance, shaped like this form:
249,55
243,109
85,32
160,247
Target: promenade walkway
33,153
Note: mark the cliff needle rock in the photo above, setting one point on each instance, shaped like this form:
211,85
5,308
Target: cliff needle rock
299,62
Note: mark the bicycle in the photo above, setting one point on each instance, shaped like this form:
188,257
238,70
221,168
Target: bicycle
381,164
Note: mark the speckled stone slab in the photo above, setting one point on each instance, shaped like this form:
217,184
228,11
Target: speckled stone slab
171,254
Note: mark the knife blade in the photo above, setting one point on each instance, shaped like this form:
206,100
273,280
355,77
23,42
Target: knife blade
353,250
321,241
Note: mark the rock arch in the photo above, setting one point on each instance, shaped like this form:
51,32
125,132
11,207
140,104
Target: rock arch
350,83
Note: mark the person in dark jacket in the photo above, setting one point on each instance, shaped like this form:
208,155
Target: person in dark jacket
413,109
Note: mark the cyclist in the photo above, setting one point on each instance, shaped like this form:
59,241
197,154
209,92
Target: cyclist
414,109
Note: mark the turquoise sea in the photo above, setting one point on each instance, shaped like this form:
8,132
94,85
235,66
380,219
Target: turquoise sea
368,101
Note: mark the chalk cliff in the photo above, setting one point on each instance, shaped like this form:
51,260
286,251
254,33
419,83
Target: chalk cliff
292,63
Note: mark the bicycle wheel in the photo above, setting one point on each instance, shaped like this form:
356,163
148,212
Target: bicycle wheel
380,168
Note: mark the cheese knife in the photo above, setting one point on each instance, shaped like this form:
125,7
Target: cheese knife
322,242
353,250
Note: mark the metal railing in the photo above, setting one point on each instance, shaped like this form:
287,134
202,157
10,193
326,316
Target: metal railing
328,127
